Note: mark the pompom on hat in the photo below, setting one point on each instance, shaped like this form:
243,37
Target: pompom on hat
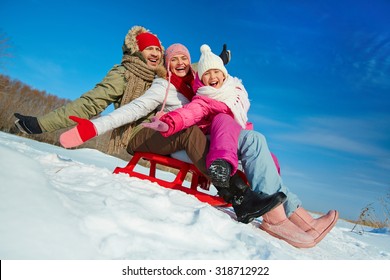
176,49
209,60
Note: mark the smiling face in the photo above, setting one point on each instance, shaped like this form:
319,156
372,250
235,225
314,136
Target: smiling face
152,55
213,78
179,65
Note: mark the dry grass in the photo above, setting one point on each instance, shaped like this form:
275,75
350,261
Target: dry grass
368,216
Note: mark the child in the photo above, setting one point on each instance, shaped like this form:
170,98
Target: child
220,108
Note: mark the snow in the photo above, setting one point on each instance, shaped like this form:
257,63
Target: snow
59,204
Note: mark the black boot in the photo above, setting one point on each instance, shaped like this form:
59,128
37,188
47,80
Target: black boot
219,172
248,204
226,194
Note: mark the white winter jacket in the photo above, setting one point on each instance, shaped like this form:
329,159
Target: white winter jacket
152,99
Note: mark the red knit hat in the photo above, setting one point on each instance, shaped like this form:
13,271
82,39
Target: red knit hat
146,39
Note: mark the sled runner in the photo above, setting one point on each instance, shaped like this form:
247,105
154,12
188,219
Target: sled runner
199,183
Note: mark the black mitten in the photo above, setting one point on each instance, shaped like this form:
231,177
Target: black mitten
225,55
27,124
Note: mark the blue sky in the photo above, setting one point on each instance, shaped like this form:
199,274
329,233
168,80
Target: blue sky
317,73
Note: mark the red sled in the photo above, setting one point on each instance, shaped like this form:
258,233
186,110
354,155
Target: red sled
199,183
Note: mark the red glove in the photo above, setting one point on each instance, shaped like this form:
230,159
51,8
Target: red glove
157,125
76,136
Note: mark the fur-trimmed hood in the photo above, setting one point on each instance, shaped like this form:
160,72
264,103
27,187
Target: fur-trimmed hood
130,45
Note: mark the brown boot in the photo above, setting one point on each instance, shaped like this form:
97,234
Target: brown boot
276,223
317,228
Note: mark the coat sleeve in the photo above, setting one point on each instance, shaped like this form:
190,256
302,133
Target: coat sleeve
182,118
133,111
109,90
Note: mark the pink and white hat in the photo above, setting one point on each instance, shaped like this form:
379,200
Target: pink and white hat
176,49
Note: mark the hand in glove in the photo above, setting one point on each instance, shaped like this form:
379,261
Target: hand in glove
225,55
157,125
27,124
76,136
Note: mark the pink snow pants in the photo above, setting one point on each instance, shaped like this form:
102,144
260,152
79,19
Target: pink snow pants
224,134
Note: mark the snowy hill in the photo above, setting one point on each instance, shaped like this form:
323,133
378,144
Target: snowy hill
59,204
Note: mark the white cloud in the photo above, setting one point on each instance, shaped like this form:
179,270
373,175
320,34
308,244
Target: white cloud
352,135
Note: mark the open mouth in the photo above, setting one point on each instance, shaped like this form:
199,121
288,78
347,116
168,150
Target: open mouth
153,60
213,84
180,70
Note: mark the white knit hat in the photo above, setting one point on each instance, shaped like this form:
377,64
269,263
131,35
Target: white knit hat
208,61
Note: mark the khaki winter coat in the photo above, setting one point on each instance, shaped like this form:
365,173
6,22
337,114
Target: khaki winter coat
109,90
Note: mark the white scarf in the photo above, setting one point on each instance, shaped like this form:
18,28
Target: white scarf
233,94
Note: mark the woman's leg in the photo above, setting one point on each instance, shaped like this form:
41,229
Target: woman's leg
192,140
260,168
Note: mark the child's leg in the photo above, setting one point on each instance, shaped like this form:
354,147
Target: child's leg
224,135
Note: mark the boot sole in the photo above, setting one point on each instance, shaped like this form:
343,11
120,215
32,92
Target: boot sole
249,217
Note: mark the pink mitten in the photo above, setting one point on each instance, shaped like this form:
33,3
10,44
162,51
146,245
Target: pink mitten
76,136
157,125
